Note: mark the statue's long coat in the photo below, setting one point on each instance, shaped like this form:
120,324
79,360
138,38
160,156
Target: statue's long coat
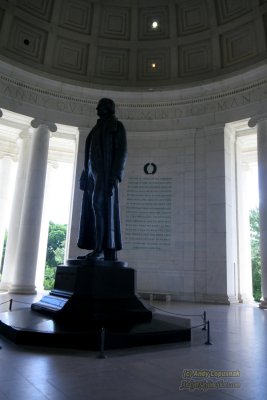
105,156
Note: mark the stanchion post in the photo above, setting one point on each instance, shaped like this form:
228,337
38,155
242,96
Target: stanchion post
208,342
205,321
10,304
102,343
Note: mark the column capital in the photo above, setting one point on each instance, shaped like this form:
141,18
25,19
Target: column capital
24,134
36,122
253,121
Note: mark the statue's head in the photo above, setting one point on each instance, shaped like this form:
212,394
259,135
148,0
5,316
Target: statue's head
105,107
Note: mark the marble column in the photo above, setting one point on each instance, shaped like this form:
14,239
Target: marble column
40,268
220,255
245,294
31,214
15,217
72,249
261,123
230,214
6,181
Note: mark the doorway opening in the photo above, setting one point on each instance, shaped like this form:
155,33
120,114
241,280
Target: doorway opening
15,139
53,243
244,192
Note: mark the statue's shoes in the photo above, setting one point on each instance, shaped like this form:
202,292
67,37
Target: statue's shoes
96,255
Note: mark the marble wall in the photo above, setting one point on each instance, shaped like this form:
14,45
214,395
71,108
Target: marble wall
173,212
163,251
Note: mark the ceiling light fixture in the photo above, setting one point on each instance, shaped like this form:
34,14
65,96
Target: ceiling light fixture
155,24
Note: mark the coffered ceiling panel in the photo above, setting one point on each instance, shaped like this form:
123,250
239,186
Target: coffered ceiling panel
153,64
238,45
134,44
195,58
70,56
227,10
112,64
38,8
27,41
76,16
192,17
115,23
148,16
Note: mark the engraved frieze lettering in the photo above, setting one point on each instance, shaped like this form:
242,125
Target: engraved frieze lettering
222,105
148,114
180,108
61,106
234,102
33,98
20,94
246,98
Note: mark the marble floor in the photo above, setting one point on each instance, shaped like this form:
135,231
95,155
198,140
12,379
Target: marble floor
233,367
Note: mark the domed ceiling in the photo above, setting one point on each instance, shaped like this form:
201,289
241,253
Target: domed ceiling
131,44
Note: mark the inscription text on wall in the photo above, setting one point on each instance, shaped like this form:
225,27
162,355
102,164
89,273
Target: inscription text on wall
148,213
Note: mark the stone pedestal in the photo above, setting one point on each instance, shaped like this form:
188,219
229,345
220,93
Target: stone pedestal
94,292
93,306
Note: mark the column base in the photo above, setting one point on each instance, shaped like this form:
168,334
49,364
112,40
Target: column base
4,286
263,304
21,289
244,298
219,299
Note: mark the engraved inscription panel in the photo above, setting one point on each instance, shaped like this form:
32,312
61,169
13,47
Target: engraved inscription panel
148,213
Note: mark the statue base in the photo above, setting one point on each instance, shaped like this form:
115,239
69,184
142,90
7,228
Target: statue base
93,306
93,291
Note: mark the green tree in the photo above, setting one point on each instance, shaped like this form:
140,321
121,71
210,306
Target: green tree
3,254
55,252
255,253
